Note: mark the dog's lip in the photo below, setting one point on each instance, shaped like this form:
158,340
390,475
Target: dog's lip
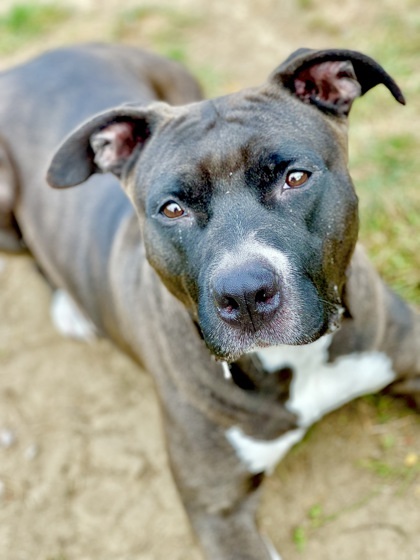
232,355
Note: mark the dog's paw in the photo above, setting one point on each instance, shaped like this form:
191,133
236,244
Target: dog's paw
69,320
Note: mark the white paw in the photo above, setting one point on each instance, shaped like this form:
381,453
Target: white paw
259,455
68,319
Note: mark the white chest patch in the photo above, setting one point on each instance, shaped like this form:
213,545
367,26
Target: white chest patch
317,388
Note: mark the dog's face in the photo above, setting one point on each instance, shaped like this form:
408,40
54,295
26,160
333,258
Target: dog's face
250,218
247,210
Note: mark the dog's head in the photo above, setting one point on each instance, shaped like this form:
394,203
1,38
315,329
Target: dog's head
247,210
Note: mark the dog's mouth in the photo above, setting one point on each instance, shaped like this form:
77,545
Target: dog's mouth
229,344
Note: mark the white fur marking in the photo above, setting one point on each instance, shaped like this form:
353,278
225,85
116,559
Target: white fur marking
302,358
250,249
258,455
68,319
317,388
226,370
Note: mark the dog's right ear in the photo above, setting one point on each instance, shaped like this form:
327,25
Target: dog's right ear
332,79
108,142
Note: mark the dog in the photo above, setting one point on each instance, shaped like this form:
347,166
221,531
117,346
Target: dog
227,265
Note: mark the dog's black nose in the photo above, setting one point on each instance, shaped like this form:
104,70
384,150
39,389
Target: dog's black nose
247,296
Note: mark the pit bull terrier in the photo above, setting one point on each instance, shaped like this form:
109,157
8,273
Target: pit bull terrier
226,265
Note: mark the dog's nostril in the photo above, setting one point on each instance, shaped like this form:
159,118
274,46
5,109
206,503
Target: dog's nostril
229,304
263,296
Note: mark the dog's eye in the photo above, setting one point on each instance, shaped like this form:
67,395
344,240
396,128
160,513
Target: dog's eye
296,179
172,210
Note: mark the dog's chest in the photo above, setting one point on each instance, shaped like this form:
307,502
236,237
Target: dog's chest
317,387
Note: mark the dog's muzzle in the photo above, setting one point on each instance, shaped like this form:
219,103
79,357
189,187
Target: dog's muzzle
247,296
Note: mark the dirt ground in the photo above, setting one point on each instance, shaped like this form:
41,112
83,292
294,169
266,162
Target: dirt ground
83,469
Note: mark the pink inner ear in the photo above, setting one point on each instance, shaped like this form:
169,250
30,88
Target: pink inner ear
333,83
113,145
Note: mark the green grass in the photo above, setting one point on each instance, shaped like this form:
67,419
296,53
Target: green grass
26,22
316,518
387,183
170,32
384,407
391,464
299,538
165,28
384,156
401,476
305,4
399,44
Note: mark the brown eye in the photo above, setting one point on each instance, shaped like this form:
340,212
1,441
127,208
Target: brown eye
296,179
172,210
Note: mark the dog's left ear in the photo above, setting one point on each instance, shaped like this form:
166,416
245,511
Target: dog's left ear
109,142
332,79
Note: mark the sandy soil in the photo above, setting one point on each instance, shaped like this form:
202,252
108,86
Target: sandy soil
83,469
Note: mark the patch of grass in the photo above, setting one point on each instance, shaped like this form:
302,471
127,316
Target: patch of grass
386,180
299,538
384,157
319,24
384,405
176,18
166,29
317,518
390,48
397,466
177,53
26,22
382,468
213,82
323,518
305,4
379,467
388,441
316,515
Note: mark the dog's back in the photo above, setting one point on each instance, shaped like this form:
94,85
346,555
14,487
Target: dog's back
67,86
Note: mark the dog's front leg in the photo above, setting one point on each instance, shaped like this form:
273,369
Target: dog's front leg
381,321
401,341
219,495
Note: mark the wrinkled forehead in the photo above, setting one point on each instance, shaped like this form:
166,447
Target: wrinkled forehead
222,133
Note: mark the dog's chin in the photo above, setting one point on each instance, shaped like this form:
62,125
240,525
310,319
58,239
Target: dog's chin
229,343
236,343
